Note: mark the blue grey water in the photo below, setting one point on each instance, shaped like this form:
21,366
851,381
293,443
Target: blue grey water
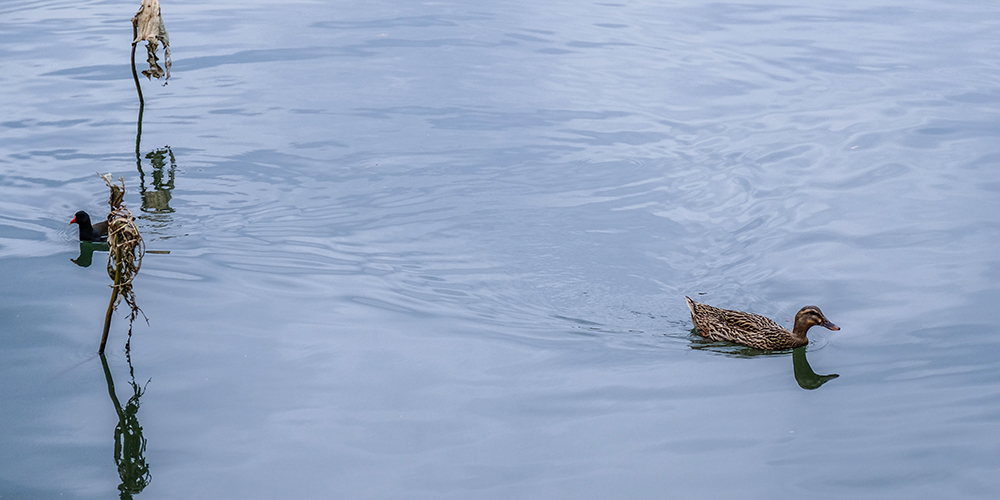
440,249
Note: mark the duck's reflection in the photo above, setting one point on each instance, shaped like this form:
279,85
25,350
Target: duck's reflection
804,374
130,445
87,249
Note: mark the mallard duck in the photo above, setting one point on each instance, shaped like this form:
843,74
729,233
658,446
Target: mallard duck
755,330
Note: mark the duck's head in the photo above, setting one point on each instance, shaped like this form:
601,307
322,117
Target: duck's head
810,316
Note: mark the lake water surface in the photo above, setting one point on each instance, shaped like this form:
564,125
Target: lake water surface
440,250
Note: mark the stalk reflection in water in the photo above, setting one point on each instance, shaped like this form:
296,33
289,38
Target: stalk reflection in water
130,445
157,199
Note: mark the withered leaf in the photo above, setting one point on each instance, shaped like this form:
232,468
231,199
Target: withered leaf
150,28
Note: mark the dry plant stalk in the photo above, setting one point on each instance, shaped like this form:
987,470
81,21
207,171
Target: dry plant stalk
148,26
125,252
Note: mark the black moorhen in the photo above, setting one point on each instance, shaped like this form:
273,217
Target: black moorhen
88,232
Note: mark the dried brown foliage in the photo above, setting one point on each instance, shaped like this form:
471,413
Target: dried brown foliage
125,249
149,28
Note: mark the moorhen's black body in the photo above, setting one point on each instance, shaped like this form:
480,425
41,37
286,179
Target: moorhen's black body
88,232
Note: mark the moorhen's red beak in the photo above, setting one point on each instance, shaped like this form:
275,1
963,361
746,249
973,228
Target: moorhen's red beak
73,221
830,326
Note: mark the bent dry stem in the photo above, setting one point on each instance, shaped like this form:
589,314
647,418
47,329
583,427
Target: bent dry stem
135,74
111,309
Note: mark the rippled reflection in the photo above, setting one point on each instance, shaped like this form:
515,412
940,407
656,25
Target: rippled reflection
156,198
130,445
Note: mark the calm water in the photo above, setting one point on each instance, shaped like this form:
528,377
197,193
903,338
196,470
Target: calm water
441,250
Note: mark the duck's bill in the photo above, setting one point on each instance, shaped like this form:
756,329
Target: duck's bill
830,326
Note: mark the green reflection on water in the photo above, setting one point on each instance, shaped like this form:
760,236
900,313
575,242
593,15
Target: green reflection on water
87,249
804,374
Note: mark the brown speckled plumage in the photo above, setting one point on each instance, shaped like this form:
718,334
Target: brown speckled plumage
755,330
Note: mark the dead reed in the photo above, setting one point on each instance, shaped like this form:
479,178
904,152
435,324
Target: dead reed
125,252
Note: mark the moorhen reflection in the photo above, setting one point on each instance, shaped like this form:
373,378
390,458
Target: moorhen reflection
130,445
755,330
86,256
88,231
